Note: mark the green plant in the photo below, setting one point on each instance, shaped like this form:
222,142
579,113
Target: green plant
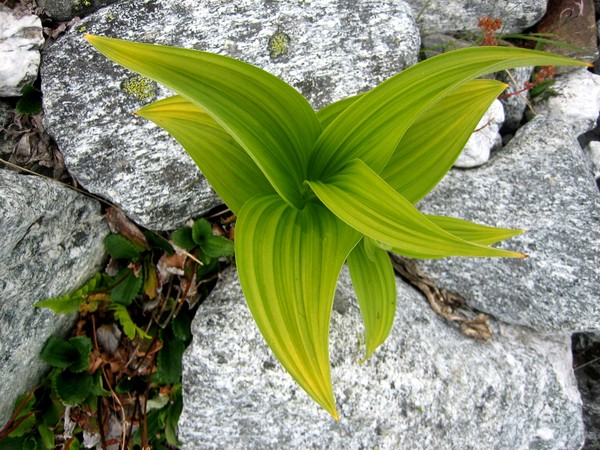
30,102
312,190
122,366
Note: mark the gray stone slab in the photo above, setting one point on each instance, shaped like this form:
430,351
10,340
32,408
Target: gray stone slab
539,182
448,16
427,387
326,49
64,10
52,242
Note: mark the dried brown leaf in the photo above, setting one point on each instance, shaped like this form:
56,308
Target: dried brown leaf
120,224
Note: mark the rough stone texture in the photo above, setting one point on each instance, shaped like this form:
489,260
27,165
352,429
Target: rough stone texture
52,242
437,43
577,101
448,16
484,140
63,10
6,145
586,351
515,105
539,182
327,50
593,152
427,387
20,42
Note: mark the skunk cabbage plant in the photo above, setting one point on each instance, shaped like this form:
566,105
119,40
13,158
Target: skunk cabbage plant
312,190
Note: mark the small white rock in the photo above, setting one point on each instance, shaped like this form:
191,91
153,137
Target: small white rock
484,140
20,42
577,101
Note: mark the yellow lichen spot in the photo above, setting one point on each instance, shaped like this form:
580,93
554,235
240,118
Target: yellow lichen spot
278,44
140,87
82,29
87,3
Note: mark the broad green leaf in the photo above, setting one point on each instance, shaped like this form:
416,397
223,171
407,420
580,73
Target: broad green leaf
66,354
24,403
46,436
359,197
265,115
371,128
127,286
201,230
184,239
289,262
27,423
375,285
330,112
83,346
217,246
472,232
434,141
182,326
168,361
119,247
158,242
72,388
225,164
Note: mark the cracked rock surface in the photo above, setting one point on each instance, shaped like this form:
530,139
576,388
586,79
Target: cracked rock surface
428,386
52,243
327,50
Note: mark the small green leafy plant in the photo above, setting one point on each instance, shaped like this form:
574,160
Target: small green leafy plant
122,366
312,190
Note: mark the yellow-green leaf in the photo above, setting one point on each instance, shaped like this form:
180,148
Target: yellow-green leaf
371,128
289,262
375,285
473,232
432,143
227,167
267,117
330,112
363,200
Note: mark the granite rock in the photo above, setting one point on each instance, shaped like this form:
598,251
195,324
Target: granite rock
6,145
484,140
21,39
577,101
428,386
515,104
586,351
64,10
449,16
593,152
326,49
52,242
539,182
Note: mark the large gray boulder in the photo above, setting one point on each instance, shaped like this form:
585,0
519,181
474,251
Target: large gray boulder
539,182
428,386
326,49
52,242
449,16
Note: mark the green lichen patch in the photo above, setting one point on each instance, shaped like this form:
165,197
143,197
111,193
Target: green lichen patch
278,44
140,87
